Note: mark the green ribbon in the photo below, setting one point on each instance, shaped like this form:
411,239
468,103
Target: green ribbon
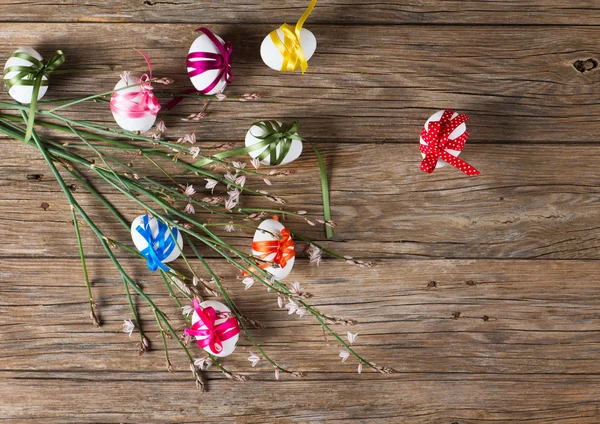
32,75
278,135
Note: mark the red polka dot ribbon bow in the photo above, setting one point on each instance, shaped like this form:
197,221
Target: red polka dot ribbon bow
283,249
212,335
436,135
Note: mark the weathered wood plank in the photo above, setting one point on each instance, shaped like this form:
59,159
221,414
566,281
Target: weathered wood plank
528,203
526,12
522,89
534,358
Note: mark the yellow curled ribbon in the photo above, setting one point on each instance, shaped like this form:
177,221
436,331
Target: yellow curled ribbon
291,49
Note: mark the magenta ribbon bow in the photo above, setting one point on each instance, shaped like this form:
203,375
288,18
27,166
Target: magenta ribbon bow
436,138
211,335
123,104
208,62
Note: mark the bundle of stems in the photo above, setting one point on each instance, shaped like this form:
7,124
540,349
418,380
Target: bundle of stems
98,153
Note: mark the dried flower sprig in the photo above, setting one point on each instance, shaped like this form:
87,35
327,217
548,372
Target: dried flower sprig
161,200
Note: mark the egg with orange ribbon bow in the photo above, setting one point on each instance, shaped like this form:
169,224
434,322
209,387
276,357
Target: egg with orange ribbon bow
273,245
273,57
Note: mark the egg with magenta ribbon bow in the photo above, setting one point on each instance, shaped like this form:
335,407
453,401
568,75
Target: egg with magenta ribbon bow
215,328
273,245
16,66
209,63
158,242
133,103
274,143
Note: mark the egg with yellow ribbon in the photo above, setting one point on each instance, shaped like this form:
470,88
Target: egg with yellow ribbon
288,47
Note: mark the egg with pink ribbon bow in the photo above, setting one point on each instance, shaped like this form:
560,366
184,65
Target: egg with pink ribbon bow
273,246
133,103
209,63
215,328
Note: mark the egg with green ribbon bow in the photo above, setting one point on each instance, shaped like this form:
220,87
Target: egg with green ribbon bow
273,142
26,73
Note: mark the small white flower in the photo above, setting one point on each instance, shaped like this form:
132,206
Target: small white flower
203,363
128,326
344,354
301,311
296,289
351,337
359,367
234,195
315,254
254,358
230,177
230,204
195,281
190,138
161,127
189,190
238,164
276,373
255,163
301,212
241,180
210,184
220,96
280,301
189,209
267,181
248,282
291,306
229,227
194,151
187,310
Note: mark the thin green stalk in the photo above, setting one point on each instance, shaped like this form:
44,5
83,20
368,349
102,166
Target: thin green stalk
86,278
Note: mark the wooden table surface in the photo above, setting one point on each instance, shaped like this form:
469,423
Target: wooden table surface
485,297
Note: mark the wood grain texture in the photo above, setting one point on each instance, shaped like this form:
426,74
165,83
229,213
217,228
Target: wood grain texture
516,84
503,340
485,295
198,12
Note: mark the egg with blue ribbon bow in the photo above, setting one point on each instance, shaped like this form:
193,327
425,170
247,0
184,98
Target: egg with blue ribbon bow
158,242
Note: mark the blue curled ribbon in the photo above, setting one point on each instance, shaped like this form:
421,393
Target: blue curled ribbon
157,254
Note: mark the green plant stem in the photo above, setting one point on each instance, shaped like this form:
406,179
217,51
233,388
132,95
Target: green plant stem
86,278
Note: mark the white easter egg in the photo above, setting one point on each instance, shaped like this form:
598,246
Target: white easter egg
455,134
141,243
229,344
252,138
142,124
205,79
24,93
266,232
271,55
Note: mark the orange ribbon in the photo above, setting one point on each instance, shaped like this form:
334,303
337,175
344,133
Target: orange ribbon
282,248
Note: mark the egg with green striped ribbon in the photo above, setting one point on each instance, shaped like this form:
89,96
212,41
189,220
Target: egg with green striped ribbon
273,142
17,65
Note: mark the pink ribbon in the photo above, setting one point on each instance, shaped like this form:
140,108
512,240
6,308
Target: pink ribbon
208,62
211,335
146,103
